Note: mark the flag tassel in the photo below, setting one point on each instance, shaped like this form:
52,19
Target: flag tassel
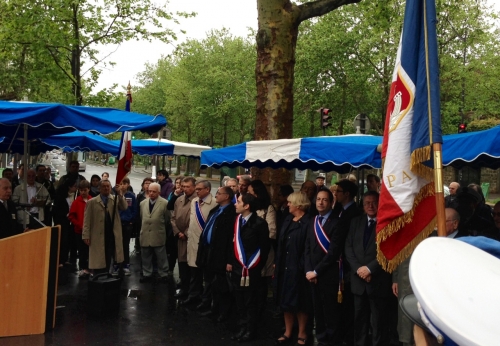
391,265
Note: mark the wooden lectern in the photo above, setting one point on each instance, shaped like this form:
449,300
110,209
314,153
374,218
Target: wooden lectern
29,265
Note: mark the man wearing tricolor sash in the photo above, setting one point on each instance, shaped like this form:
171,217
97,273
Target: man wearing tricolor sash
215,251
251,247
325,265
200,207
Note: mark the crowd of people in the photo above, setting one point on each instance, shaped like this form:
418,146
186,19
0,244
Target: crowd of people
315,251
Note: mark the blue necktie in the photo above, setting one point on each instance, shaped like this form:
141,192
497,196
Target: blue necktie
207,232
321,218
243,221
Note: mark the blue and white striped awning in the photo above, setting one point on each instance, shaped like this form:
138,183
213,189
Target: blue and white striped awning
343,153
338,153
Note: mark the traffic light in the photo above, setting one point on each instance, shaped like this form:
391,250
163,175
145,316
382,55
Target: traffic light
324,121
462,128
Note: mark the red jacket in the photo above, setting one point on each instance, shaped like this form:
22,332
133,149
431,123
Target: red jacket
76,213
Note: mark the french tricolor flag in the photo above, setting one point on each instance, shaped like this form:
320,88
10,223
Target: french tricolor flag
407,207
125,153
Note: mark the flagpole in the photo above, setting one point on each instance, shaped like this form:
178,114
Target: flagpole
438,187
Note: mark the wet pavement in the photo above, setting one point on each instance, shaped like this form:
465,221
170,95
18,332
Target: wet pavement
148,315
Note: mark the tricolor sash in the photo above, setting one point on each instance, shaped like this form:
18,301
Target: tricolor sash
199,215
239,253
321,236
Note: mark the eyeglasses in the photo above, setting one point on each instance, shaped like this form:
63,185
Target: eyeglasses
200,188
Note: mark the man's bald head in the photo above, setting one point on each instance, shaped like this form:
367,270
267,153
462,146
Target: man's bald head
453,188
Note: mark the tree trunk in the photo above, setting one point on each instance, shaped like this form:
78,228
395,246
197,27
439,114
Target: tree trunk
276,39
76,59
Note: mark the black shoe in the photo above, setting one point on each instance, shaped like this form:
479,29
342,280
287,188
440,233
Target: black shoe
189,301
145,279
180,295
203,306
285,341
208,313
247,337
238,335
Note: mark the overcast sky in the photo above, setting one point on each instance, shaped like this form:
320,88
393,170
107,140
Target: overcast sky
130,57
236,15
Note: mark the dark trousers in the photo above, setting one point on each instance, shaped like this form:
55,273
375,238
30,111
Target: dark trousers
196,282
171,251
347,314
222,298
73,246
126,233
369,310
208,279
184,276
327,313
83,252
247,302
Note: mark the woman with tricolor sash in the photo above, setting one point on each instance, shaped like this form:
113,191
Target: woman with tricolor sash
292,289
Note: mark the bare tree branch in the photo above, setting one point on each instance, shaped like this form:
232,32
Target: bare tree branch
318,8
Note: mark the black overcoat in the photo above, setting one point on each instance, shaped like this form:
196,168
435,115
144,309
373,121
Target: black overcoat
291,286
219,253
254,234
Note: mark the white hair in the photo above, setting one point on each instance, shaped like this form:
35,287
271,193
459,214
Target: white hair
156,185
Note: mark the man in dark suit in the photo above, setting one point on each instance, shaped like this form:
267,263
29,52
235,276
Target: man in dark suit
345,194
215,251
370,284
321,271
251,247
8,214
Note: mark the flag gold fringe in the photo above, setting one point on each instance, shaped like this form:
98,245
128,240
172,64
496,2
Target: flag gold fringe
396,224
417,157
390,265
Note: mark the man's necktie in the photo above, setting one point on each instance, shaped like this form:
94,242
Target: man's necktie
243,221
5,205
321,218
368,232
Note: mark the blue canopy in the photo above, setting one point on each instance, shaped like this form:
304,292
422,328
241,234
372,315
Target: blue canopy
86,141
154,146
47,119
335,153
473,149
343,153
82,141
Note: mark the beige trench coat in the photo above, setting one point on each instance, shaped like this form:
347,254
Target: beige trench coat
93,229
270,216
155,223
180,223
194,230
